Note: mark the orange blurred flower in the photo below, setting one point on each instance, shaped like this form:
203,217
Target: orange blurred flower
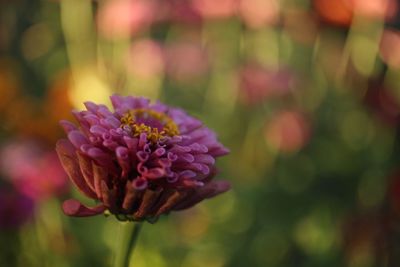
216,9
146,58
341,12
288,131
258,13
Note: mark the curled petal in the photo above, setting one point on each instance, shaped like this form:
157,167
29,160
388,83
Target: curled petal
77,138
72,207
186,157
187,174
67,126
91,106
142,156
204,158
155,173
139,184
98,130
92,119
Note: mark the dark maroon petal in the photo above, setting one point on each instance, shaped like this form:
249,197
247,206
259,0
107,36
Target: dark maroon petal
72,207
68,158
208,191
132,196
99,175
109,197
149,199
171,201
86,170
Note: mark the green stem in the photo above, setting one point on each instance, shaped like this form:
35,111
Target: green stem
127,237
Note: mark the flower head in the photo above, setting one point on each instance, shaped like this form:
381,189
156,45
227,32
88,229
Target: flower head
140,161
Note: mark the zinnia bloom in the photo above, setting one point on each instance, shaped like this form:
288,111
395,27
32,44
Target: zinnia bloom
140,161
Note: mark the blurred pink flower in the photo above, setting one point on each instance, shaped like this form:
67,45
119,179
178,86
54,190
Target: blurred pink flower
146,58
34,171
381,9
258,83
180,11
186,60
216,8
121,18
15,208
390,48
258,13
288,131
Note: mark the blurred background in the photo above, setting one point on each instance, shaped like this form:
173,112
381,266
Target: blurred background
305,93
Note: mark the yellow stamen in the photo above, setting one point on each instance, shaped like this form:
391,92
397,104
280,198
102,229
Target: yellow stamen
153,134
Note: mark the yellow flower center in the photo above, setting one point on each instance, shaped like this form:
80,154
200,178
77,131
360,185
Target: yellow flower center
155,124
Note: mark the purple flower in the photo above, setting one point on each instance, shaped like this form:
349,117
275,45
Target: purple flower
140,161
15,208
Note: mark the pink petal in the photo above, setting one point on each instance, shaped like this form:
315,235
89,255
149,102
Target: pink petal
72,207
77,138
